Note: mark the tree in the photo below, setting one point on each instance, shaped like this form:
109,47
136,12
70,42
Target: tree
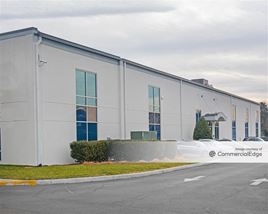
264,119
202,130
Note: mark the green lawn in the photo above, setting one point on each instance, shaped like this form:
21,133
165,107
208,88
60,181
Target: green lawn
71,171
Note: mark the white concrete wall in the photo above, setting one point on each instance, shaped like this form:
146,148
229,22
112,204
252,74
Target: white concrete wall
137,103
193,98
197,98
17,100
208,101
58,100
58,103
119,112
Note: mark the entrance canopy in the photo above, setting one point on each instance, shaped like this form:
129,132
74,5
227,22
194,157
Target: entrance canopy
215,117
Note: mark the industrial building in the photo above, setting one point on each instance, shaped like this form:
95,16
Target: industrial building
54,91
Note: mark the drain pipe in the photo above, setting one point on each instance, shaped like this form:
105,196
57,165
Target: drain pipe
37,105
181,128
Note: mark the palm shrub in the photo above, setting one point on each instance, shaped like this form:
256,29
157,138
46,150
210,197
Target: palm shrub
202,130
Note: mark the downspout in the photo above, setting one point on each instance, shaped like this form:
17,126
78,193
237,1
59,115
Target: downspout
250,122
181,109
124,94
231,107
37,106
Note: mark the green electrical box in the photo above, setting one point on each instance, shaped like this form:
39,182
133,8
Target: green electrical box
143,135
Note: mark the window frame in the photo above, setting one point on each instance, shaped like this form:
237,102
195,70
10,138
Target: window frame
233,130
87,106
247,123
155,112
217,130
257,123
257,129
246,130
234,122
198,115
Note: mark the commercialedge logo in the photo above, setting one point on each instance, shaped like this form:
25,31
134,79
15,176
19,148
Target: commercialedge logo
235,154
212,153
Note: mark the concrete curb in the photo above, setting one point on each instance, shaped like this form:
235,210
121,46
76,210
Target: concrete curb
9,182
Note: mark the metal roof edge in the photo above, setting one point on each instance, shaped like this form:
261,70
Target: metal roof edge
186,80
76,45
17,33
35,31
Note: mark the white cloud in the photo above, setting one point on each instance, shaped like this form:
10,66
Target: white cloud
224,41
14,9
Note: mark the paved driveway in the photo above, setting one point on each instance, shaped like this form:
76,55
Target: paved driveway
212,189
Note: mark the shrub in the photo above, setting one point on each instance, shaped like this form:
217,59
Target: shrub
95,151
202,130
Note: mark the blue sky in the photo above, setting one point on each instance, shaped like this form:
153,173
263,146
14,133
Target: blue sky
222,41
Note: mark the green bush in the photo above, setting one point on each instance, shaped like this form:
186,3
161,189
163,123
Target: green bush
95,151
202,130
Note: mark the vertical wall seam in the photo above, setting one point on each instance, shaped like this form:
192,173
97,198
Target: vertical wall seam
124,95
36,94
181,128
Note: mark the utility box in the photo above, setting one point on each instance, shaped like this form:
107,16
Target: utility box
143,135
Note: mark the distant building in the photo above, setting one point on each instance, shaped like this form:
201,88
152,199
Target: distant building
55,91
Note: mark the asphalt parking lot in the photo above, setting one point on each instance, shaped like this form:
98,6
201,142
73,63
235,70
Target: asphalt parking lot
214,188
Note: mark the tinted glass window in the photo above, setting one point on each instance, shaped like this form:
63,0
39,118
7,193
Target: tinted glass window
154,110
91,101
86,109
92,114
81,114
92,131
91,84
80,100
81,130
80,83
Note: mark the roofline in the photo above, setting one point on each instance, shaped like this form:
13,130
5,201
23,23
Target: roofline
76,45
186,80
35,31
17,33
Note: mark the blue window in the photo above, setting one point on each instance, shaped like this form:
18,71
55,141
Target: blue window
154,110
246,122
86,105
154,118
151,127
257,129
217,131
197,116
81,130
157,129
234,130
246,129
257,124
92,131
81,114
233,122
